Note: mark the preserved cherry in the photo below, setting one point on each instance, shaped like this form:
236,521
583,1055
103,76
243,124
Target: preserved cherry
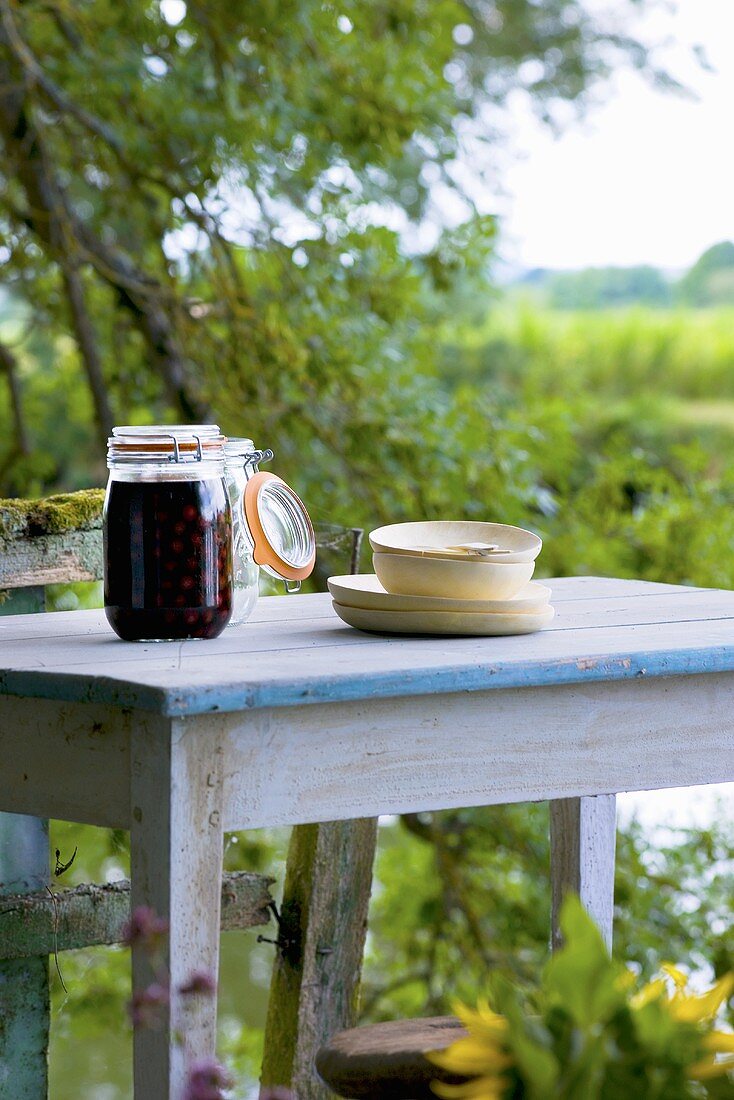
168,559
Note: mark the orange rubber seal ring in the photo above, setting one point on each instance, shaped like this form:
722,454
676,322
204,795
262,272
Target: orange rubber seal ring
264,553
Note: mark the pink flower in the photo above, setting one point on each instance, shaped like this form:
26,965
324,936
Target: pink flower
206,1079
145,929
199,982
149,1005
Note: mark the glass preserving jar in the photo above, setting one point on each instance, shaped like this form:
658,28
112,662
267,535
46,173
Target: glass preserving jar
240,464
167,533
271,528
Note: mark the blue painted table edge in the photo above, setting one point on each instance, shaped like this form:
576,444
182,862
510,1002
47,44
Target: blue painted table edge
247,696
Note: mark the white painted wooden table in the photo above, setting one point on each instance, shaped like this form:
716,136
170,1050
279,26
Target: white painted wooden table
297,718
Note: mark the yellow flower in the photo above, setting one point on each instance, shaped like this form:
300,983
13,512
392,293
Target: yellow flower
481,1056
482,1021
484,1056
679,978
650,992
471,1056
690,1008
716,1042
720,1042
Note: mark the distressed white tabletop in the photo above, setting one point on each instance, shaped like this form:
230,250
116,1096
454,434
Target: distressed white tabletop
295,717
295,650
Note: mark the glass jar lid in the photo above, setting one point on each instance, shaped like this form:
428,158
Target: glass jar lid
280,526
165,443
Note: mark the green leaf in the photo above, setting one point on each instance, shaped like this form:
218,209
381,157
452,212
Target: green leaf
581,975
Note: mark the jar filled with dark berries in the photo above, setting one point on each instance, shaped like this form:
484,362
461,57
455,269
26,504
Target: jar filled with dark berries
167,533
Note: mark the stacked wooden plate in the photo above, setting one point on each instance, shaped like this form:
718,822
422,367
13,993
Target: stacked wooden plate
447,577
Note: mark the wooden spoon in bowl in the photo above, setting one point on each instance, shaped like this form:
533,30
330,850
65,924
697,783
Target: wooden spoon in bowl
464,550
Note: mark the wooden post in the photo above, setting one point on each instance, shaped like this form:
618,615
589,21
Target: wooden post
24,993
24,996
583,839
176,854
315,982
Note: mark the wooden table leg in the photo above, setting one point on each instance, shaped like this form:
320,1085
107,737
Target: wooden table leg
315,985
583,839
176,848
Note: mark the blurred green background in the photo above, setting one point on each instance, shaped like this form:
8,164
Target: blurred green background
269,214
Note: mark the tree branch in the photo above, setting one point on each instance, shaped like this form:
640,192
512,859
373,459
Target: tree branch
9,366
87,343
36,75
95,125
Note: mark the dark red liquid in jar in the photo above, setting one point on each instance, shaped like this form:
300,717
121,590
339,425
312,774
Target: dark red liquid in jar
168,559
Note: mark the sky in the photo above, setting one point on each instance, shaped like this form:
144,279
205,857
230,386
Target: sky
647,177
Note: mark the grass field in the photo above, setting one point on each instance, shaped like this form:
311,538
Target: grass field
684,353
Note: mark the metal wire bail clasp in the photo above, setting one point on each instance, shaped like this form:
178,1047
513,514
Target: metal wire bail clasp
255,457
176,456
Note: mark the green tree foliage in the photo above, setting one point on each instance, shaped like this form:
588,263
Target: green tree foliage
466,894
196,198
710,281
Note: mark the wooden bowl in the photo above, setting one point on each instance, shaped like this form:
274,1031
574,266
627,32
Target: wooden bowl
434,537
443,622
364,591
456,580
